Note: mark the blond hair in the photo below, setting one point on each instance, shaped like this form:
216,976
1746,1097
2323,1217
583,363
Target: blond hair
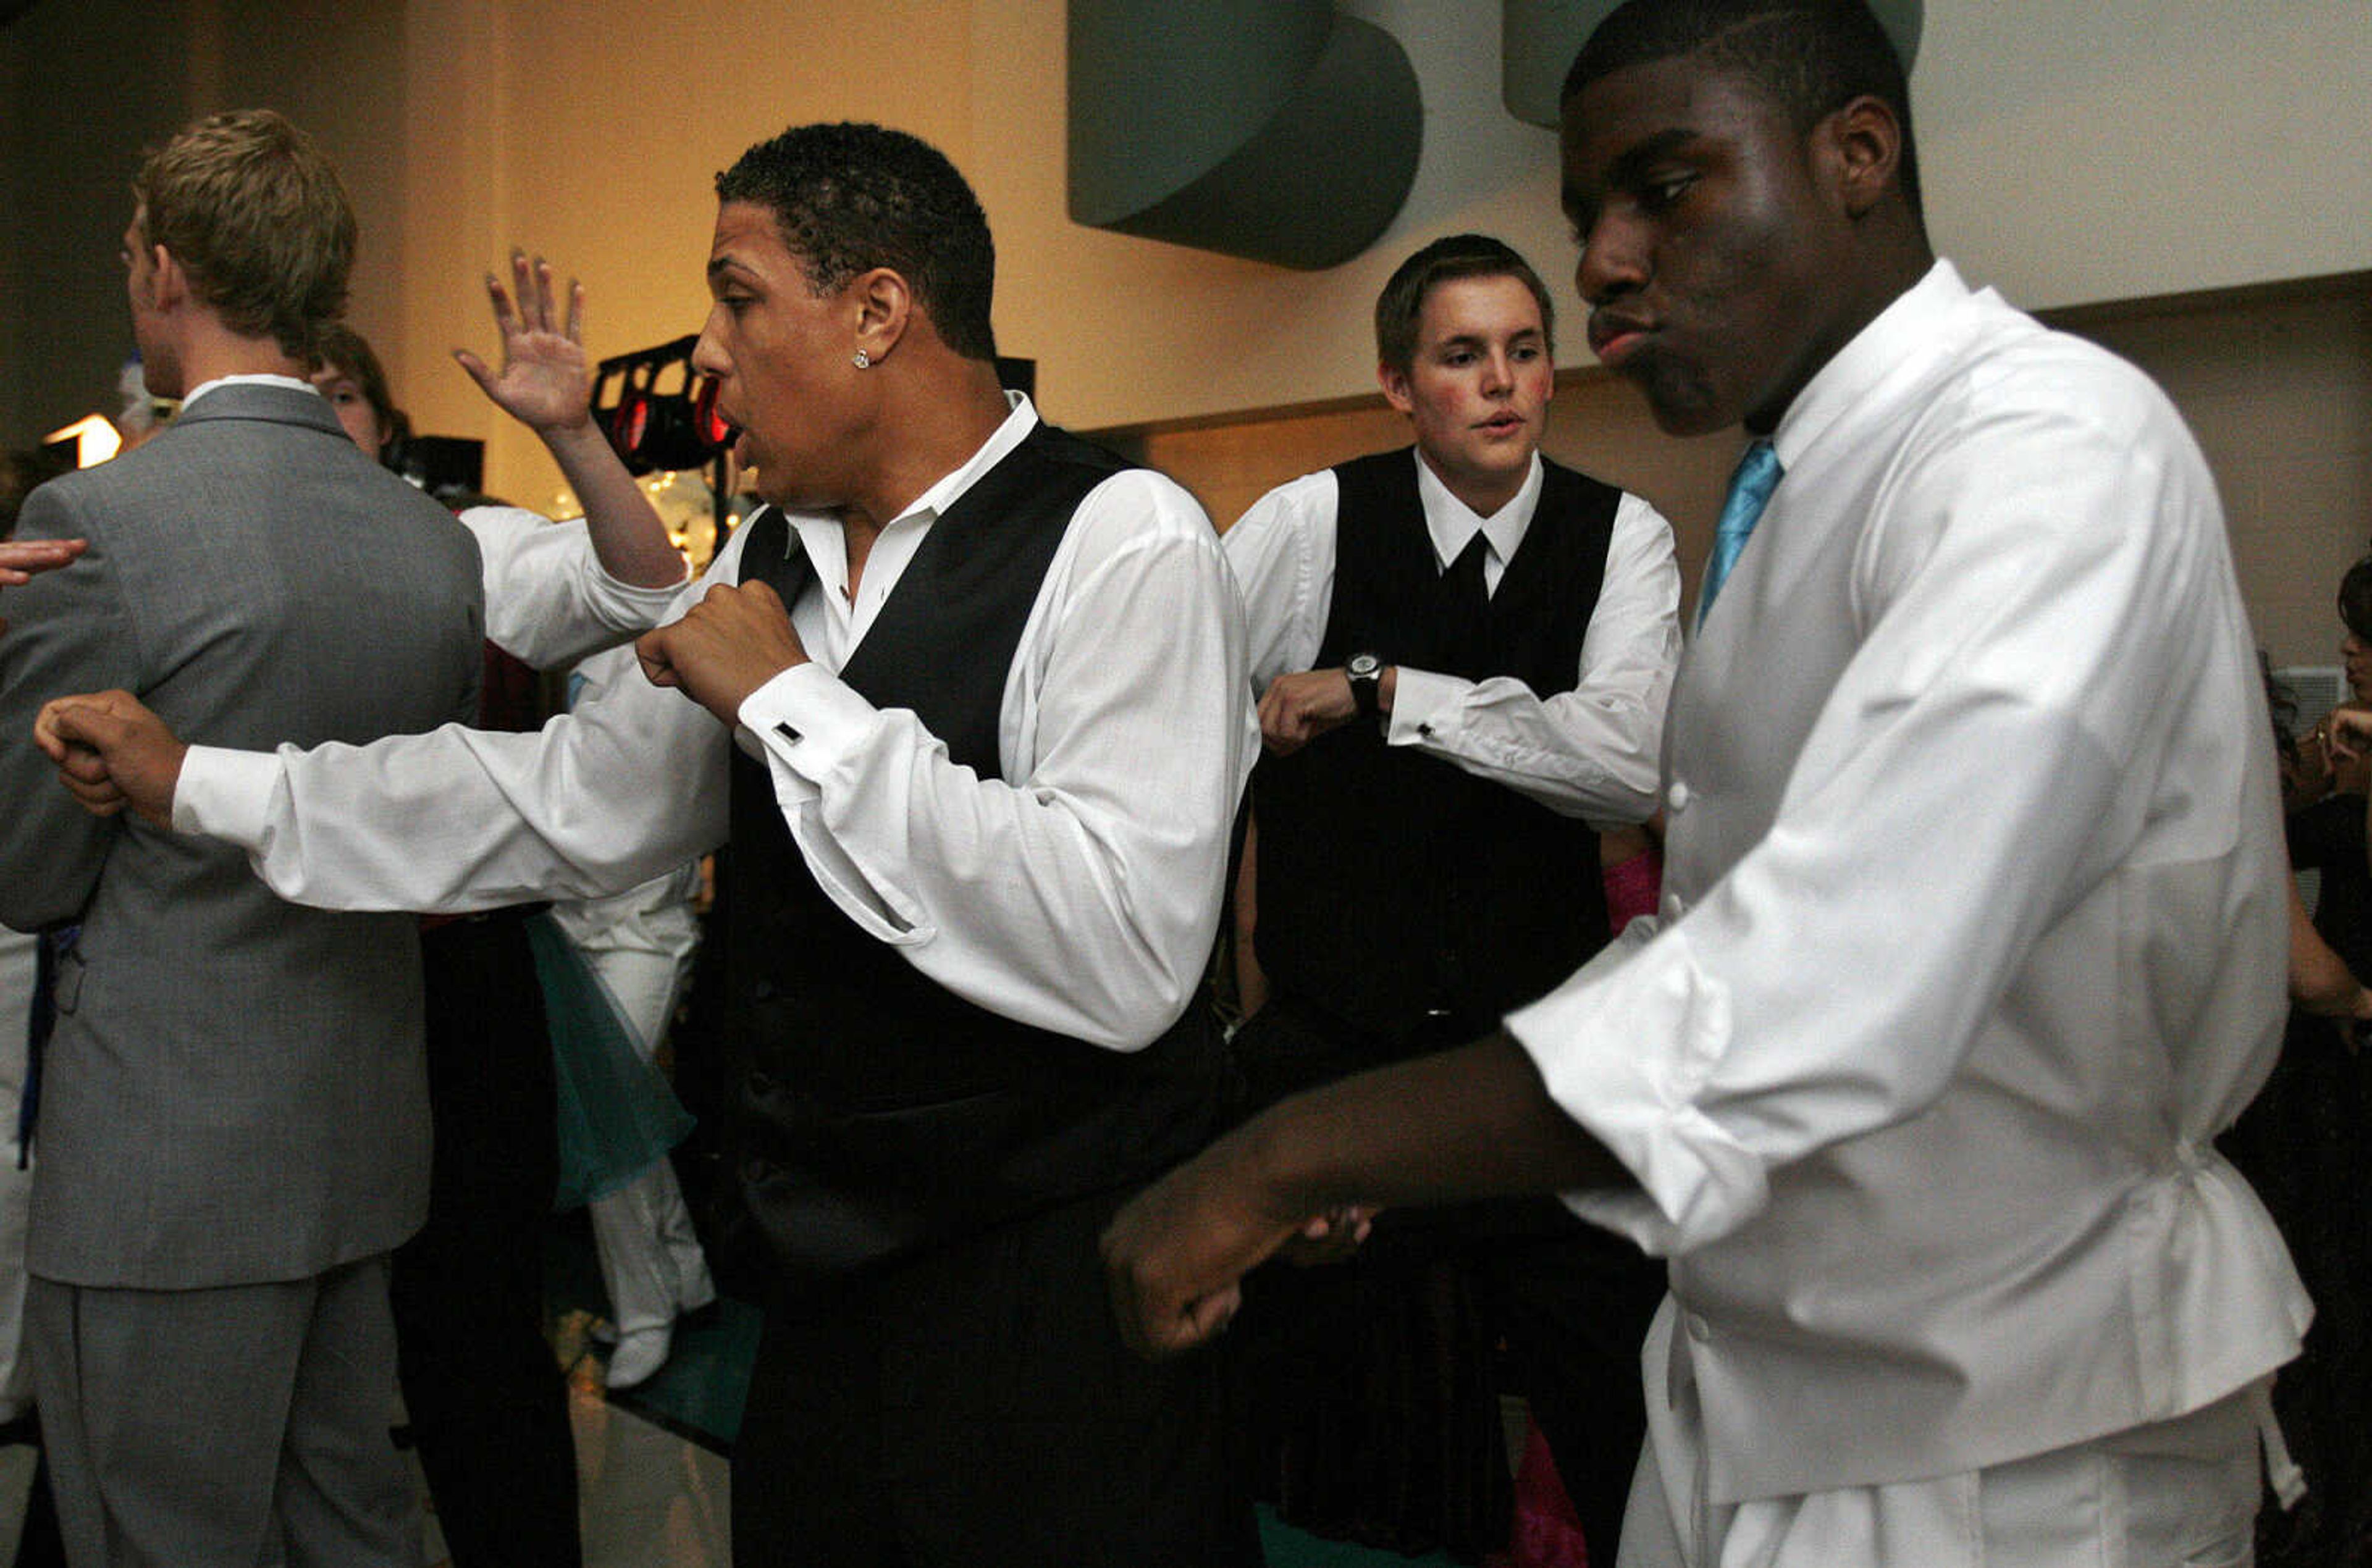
252,211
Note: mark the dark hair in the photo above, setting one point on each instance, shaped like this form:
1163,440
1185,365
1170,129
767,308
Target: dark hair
1811,57
1457,256
851,197
340,347
255,216
2356,599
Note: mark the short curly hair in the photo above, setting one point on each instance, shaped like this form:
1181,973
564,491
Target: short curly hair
1811,57
252,211
850,197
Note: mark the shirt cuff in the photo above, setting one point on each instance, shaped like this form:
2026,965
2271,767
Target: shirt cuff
806,722
226,794
807,719
1623,1047
1422,703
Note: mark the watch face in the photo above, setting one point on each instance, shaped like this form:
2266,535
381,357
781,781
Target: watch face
1364,667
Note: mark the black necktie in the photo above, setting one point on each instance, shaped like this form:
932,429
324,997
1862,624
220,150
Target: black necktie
775,556
1468,617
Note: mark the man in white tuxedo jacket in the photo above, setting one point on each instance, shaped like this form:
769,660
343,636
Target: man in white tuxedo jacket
1972,928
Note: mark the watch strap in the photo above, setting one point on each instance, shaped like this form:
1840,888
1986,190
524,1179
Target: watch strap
1366,672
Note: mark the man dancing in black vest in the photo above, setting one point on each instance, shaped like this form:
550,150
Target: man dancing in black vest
987,687
1463,652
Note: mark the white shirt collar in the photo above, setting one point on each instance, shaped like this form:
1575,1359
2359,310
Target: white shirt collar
826,547
1452,522
1000,444
261,378
1901,340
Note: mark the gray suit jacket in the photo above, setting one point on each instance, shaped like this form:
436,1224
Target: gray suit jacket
235,1092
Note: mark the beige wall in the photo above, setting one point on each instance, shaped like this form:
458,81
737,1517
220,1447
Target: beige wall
2280,395
2074,153
1127,330
591,132
2124,149
1596,424
2277,384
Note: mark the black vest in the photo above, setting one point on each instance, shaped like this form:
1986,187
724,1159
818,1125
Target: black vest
1392,885
877,1110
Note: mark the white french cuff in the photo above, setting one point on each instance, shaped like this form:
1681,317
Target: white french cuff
549,601
1423,703
805,723
1622,1047
807,719
228,795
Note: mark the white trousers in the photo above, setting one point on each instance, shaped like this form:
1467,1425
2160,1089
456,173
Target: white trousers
2180,1494
651,1262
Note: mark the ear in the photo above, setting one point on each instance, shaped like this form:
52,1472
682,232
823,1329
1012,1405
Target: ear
1861,149
168,284
1395,383
883,304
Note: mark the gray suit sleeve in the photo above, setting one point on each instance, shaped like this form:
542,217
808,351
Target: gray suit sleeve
68,631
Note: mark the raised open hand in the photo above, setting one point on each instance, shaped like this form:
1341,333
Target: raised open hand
543,383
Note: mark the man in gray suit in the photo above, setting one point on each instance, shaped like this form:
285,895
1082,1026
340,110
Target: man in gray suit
234,1128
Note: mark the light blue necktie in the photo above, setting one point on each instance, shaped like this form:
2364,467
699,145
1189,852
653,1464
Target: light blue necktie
1750,491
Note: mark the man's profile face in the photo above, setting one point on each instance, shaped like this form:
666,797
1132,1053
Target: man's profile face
1477,387
782,356
1711,256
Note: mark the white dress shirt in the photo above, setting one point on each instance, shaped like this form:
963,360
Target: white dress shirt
652,921
1588,752
1972,935
549,603
1079,893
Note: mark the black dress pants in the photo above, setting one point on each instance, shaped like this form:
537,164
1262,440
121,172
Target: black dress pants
975,1408
488,1404
1374,1382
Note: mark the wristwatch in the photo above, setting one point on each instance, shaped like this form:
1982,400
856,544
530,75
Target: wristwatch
1366,673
